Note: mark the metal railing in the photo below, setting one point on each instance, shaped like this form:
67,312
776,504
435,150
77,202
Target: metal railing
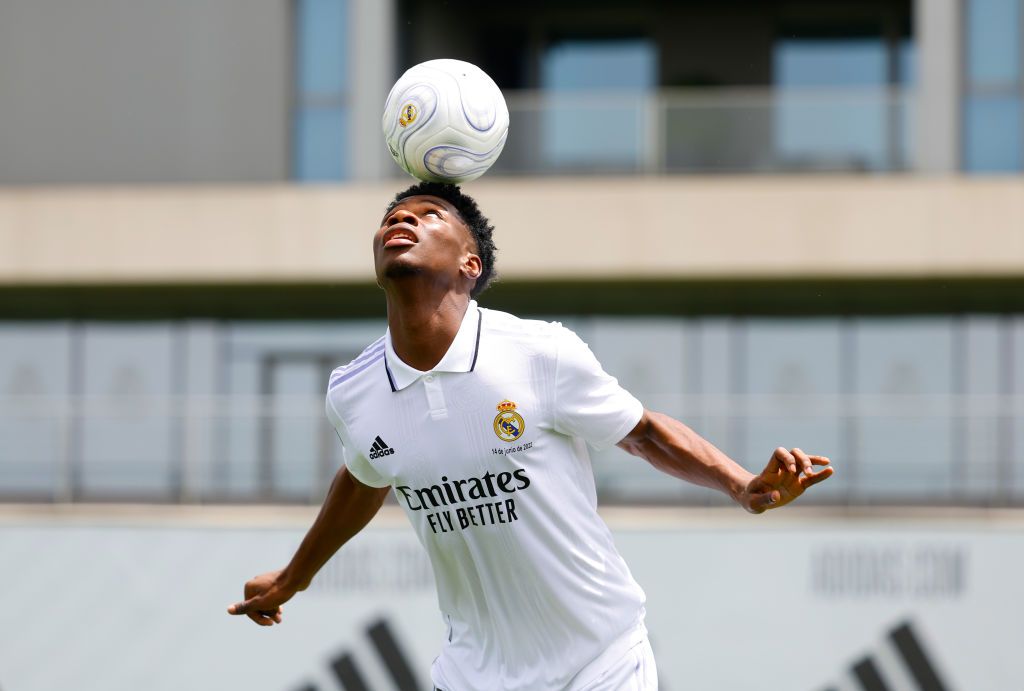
934,449
709,130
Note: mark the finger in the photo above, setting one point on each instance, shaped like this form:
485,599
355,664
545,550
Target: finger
242,607
252,609
814,478
820,460
784,459
271,617
803,461
265,617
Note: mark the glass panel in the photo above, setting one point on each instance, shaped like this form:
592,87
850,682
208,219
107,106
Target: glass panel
834,131
320,117
982,380
321,48
907,62
906,149
294,428
993,41
34,366
1013,421
606,132
576,65
657,381
130,423
822,129
723,133
244,424
592,134
237,472
992,137
320,144
819,62
904,378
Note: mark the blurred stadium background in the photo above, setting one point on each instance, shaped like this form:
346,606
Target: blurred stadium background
785,222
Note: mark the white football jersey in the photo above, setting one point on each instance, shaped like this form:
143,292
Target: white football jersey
487,455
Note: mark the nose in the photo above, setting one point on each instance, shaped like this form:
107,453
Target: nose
402,216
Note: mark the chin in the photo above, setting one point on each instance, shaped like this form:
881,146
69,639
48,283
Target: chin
399,268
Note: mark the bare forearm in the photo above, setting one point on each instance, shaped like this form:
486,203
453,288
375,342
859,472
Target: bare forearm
673,448
349,506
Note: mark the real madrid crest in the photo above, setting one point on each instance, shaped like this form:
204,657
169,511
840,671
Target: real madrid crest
508,424
408,114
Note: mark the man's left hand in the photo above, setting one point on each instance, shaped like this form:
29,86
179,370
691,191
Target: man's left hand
785,478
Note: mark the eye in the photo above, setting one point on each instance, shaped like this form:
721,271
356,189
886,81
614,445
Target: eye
436,212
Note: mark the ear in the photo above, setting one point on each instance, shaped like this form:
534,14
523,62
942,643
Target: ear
472,267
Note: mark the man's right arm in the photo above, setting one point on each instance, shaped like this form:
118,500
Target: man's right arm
349,506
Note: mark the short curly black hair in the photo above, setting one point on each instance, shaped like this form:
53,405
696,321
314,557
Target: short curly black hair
479,227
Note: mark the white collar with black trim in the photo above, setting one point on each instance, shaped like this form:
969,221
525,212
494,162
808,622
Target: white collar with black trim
461,355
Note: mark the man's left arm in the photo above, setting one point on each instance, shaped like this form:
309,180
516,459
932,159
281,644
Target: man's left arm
673,448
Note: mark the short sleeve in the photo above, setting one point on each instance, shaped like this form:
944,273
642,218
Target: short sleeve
588,402
356,462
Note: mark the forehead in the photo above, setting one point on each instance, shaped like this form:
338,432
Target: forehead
425,200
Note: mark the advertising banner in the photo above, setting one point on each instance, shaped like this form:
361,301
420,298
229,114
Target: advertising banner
738,604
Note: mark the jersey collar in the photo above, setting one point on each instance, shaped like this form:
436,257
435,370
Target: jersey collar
461,355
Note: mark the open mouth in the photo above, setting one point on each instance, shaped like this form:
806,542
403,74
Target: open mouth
399,236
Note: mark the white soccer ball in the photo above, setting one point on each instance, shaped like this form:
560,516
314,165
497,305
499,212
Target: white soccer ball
445,121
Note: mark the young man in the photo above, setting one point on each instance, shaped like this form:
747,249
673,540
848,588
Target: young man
479,422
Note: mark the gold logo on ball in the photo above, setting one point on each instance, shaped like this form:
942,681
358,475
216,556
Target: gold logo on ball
408,114
508,424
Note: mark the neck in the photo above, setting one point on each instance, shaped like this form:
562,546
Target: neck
423,325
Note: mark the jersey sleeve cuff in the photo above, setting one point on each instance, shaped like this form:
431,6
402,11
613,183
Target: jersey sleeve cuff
358,467
375,481
630,421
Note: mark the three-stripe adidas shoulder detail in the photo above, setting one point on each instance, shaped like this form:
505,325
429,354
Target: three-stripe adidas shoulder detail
370,355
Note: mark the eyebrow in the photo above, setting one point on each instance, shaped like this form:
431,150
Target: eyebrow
424,202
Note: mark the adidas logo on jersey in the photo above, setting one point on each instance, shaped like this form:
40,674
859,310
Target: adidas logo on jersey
380,449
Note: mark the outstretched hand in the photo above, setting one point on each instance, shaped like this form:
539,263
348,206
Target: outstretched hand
781,481
264,596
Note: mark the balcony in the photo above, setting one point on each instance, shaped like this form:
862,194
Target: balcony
702,131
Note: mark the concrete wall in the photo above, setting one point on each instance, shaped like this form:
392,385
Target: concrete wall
564,228
144,91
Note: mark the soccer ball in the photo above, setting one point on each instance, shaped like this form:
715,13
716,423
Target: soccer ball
445,121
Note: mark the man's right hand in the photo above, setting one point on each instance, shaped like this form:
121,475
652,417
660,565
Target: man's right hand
264,596
349,506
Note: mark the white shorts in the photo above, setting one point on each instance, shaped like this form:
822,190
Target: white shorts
634,671
627,664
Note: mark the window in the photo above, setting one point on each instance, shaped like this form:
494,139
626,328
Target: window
594,115
993,114
835,109
320,111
